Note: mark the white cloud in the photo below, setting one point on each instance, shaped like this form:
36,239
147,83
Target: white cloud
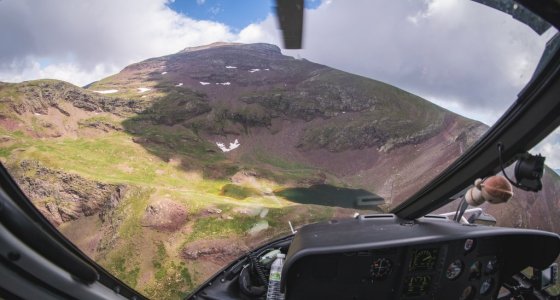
460,54
431,48
66,71
85,41
264,32
485,115
457,53
216,9
550,148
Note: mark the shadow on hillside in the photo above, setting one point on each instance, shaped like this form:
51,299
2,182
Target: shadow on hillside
328,195
169,128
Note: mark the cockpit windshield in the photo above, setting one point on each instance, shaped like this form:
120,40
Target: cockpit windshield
167,138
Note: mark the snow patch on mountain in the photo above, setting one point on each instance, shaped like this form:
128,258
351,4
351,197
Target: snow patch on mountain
143,89
106,91
232,146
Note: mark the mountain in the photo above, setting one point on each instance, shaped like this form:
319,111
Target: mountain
176,165
295,110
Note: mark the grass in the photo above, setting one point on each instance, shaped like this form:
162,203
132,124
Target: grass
277,168
159,261
107,119
6,151
238,192
123,264
132,211
278,218
112,158
214,227
115,158
142,257
174,282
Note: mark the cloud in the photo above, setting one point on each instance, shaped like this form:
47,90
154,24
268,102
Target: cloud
200,2
63,71
264,32
550,148
456,51
96,38
215,10
431,48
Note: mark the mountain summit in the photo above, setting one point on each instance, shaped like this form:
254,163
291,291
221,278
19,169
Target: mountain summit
295,110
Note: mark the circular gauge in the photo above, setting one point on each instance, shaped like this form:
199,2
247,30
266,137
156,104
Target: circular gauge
469,245
467,294
486,286
491,266
475,270
424,259
418,285
454,269
381,268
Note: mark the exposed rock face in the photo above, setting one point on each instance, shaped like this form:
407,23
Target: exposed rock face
100,125
164,215
38,96
231,89
176,107
363,132
214,250
63,197
321,95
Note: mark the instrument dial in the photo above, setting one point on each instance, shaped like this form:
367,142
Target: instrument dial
454,269
486,286
467,294
381,268
475,270
424,259
469,245
417,285
491,266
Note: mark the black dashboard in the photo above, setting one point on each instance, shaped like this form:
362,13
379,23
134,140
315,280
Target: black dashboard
383,257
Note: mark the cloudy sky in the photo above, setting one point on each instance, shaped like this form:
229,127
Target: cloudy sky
459,54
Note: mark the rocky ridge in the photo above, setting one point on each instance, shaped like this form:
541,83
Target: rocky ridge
63,197
36,97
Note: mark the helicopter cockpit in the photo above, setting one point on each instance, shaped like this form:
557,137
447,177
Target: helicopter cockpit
414,250
384,257
412,254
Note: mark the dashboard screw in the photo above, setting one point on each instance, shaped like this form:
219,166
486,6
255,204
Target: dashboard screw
13,256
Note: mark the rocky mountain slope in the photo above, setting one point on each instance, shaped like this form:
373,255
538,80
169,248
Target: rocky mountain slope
174,166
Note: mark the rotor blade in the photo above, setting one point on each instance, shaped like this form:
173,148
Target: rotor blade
290,19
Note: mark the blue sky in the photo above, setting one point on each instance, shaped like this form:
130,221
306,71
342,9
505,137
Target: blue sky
235,14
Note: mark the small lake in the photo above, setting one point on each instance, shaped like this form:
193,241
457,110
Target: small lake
329,195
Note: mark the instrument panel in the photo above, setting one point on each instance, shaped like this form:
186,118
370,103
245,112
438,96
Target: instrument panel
430,259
